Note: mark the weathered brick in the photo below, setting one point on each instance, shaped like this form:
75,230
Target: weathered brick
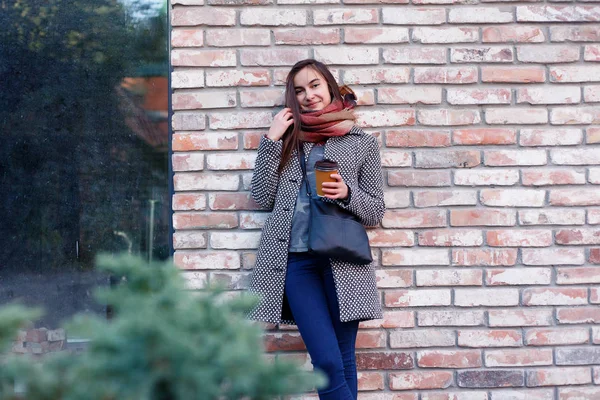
575,33
578,315
450,237
370,339
446,395
550,137
188,162
513,197
578,236
591,52
389,117
450,318
552,217
189,201
490,378
204,220
554,296
518,357
345,16
519,318
437,198
196,100
553,256
489,338
572,73
376,35
226,78
392,319
250,220
393,278
271,57
480,15
189,16
188,121
307,36
417,138
513,74
518,276
549,54
407,257
414,16
384,360
201,181
414,55
591,94
484,136
448,117
514,157
429,35
187,37
481,54
283,341
519,238
486,297
579,393
454,277
272,17
422,338
200,260
234,240
556,336
459,96
420,380
240,120
574,197
514,115
506,177
376,75
187,78
449,359
417,298
232,201
579,275
558,13
484,257
238,37
513,33
575,156
549,95
559,376
262,98
592,135
593,216
396,198
410,95
419,178
455,75
203,58
448,159
391,238
369,381
594,257
524,394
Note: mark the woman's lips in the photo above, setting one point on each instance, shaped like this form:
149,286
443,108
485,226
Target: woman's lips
312,104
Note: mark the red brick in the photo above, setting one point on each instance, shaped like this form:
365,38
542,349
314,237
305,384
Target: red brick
550,137
410,95
271,57
578,315
436,198
390,238
197,220
419,178
552,177
546,13
396,158
514,115
479,15
352,16
446,75
513,74
576,276
519,318
592,135
283,342
392,360
450,237
574,197
556,336
593,216
518,357
187,37
414,16
448,117
272,17
414,55
449,359
458,96
407,257
199,260
486,297
250,220
579,393
187,78
554,296
591,94
188,162
594,255
484,136
232,201
238,37
484,257
489,177
204,181
549,95
481,54
515,157
205,141
575,156
370,339
420,380
392,319
203,58
419,338
518,276
417,298
417,138
307,36
396,198
262,98
578,236
575,33
572,73
240,120
489,338
513,197
558,376
490,378
376,75
519,238
234,240
376,35
541,54
370,381
448,159
203,99
390,117
226,78
394,278
515,34
449,277
189,201
429,35
414,219
188,16
339,55
553,256
450,318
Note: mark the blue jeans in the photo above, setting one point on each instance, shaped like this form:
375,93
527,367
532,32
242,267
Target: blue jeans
311,295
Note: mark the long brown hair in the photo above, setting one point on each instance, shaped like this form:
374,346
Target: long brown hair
291,137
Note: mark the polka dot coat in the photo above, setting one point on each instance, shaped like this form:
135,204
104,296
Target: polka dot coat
357,153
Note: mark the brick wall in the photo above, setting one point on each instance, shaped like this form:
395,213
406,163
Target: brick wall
489,253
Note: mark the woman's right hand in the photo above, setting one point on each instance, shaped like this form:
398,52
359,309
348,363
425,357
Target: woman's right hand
282,120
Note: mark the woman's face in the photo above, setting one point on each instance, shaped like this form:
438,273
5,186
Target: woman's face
311,89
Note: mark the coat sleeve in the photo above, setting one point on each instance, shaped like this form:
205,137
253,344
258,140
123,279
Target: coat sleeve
365,199
265,178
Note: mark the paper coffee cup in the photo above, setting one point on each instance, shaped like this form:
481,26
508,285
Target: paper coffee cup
323,171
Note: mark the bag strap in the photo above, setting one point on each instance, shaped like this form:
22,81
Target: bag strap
303,166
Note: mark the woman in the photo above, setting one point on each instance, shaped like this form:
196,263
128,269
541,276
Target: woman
326,298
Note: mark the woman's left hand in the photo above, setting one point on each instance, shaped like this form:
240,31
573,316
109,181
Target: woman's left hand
335,190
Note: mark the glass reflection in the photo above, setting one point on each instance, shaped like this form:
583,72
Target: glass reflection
84,154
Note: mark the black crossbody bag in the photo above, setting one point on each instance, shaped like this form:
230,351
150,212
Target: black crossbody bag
334,232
